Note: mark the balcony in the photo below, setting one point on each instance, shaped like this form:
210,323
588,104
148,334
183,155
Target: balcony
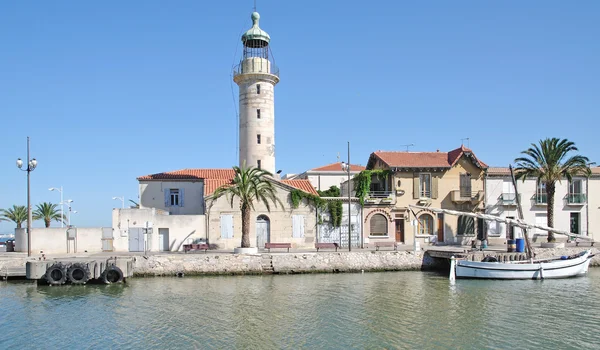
541,199
462,196
380,197
508,199
576,199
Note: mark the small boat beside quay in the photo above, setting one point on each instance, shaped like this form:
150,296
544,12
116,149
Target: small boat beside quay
558,267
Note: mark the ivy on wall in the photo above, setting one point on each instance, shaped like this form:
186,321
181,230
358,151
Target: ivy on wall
362,182
333,207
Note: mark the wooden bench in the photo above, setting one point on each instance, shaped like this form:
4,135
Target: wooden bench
577,241
386,244
195,246
278,245
326,245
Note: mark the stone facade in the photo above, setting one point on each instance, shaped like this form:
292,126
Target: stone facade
278,222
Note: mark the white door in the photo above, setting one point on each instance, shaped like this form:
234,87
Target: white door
163,240
262,231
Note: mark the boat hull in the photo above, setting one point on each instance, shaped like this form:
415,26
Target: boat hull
556,268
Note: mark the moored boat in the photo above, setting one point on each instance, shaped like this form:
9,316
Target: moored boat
559,267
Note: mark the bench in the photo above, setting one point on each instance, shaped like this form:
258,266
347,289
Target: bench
278,245
386,244
195,246
326,245
577,241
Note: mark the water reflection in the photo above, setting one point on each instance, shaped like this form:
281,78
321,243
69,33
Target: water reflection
408,310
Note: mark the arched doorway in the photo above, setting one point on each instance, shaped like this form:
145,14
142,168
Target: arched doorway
263,231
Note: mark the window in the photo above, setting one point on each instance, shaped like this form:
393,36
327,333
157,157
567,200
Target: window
297,226
425,224
258,113
174,197
576,195
425,185
258,139
466,225
541,220
379,226
226,226
541,197
575,219
258,163
258,89
508,192
465,185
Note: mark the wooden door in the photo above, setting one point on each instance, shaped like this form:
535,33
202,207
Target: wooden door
440,228
262,231
400,230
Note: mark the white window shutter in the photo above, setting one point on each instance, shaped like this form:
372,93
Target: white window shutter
167,197
297,226
226,226
181,197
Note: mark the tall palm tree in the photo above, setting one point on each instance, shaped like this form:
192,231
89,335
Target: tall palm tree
48,212
249,185
548,163
16,214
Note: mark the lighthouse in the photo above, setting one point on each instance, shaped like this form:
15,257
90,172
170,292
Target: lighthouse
256,77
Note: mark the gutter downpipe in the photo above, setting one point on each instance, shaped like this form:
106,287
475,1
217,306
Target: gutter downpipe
587,206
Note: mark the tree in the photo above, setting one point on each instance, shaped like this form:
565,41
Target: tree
16,214
134,204
548,163
249,185
48,212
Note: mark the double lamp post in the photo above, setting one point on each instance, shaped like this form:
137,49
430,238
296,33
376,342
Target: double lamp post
31,165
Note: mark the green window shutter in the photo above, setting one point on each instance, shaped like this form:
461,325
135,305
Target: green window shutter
434,187
416,186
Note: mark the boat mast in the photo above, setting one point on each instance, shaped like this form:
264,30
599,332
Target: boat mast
520,211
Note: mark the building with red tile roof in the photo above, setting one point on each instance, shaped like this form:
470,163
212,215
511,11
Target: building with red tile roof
323,177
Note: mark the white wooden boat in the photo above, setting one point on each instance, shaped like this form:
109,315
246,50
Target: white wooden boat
559,267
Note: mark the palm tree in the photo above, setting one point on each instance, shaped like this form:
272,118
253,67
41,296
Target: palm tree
249,185
16,214
135,205
548,163
48,212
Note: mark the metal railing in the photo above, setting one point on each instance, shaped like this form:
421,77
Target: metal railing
576,198
541,198
256,67
508,198
462,195
380,194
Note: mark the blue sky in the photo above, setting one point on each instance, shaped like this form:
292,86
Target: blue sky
112,90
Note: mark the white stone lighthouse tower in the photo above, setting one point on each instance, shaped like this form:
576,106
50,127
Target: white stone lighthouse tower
256,77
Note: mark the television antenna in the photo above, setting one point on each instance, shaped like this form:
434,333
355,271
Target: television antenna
407,146
462,142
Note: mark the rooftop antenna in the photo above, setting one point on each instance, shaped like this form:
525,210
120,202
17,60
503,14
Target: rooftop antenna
462,142
338,157
254,5
410,145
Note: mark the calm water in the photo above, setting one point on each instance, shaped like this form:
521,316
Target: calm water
394,310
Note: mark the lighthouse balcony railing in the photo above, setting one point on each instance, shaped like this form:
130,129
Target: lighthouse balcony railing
255,67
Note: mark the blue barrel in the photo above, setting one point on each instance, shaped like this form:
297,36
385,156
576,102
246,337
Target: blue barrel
510,245
520,245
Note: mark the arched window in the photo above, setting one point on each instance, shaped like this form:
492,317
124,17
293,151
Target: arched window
379,225
425,224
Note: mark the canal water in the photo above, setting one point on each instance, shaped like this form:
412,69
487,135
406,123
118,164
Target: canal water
393,310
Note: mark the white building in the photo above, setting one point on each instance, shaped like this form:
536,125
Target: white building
572,208
256,77
322,178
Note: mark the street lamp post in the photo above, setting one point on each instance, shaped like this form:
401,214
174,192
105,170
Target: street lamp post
31,164
346,167
122,199
62,213
68,201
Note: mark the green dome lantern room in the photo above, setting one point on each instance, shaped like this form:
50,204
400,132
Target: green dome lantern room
255,40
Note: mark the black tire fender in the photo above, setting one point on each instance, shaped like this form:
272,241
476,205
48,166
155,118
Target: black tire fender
490,258
112,274
78,273
56,274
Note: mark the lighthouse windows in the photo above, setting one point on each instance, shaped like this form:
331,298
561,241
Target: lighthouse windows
258,139
258,89
258,164
258,113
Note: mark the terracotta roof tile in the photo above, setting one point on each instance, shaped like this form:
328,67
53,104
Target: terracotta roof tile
191,174
303,185
498,171
424,159
338,167
215,178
